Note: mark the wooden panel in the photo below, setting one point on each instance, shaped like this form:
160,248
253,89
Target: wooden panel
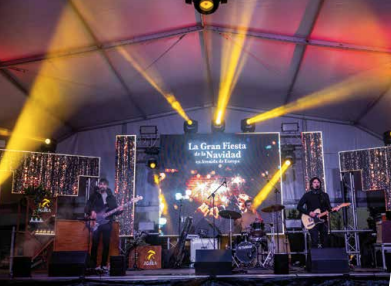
72,235
149,257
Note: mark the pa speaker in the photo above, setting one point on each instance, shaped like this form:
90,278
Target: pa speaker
213,262
117,265
388,261
21,266
68,263
281,264
328,260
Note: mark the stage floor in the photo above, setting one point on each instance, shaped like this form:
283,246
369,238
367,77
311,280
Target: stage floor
358,276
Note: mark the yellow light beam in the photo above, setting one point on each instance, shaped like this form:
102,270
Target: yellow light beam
35,120
162,200
348,89
155,80
262,195
233,59
9,133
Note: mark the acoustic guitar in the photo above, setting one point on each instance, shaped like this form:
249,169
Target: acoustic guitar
310,222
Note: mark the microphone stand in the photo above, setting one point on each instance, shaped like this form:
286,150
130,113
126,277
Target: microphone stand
180,220
212,195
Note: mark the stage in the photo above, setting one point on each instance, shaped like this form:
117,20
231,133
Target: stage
358,276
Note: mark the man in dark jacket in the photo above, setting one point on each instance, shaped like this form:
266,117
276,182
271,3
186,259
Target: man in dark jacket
316,199
102,200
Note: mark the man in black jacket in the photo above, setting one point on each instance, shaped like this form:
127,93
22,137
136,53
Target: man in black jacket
102,200
316,199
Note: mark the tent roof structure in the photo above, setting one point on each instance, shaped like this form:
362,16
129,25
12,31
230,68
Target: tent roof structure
98,62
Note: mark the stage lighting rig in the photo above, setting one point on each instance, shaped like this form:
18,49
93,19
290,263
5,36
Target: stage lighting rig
246,127
290,127
206,7
218,128
190,126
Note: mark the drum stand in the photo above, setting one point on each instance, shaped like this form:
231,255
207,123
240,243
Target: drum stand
258,264
269,258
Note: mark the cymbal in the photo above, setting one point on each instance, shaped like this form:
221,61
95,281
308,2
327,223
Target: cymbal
230,214
273,208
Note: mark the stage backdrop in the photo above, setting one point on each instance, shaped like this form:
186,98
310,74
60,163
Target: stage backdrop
193,166
57,173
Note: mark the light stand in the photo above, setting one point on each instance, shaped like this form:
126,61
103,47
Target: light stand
213,209
135,267
276,191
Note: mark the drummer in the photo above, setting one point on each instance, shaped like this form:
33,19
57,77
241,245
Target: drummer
249,216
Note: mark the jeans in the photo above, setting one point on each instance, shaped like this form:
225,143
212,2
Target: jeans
105,231
319,231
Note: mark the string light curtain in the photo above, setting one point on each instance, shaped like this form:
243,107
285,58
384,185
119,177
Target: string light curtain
57,173
375,167
313,158
125,166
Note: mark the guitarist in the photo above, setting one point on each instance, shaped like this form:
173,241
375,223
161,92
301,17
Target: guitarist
316,199
102,199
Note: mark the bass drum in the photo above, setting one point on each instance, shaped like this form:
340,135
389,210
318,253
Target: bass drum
245,252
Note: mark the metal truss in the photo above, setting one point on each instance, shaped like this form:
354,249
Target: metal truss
352,240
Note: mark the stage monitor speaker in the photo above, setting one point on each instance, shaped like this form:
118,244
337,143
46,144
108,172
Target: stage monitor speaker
21,266
117,265
328,260
281,264
213,262
68,263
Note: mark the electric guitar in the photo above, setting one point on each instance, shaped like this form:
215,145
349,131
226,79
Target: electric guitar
310,222
98,219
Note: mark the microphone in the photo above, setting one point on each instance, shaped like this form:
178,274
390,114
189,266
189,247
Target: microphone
225,182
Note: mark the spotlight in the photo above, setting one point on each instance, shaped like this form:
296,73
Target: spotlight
48,146
387,138
190,126
288,161
206,7
288,154
152,163
218,127
246,127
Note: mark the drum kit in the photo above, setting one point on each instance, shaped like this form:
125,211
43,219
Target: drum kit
252,247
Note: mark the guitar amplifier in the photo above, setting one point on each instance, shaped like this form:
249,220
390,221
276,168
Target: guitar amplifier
293,223
201,243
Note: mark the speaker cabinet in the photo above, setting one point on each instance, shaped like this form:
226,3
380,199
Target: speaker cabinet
68,263
213,262
21,266
117,265
328,260
388,261
281,264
